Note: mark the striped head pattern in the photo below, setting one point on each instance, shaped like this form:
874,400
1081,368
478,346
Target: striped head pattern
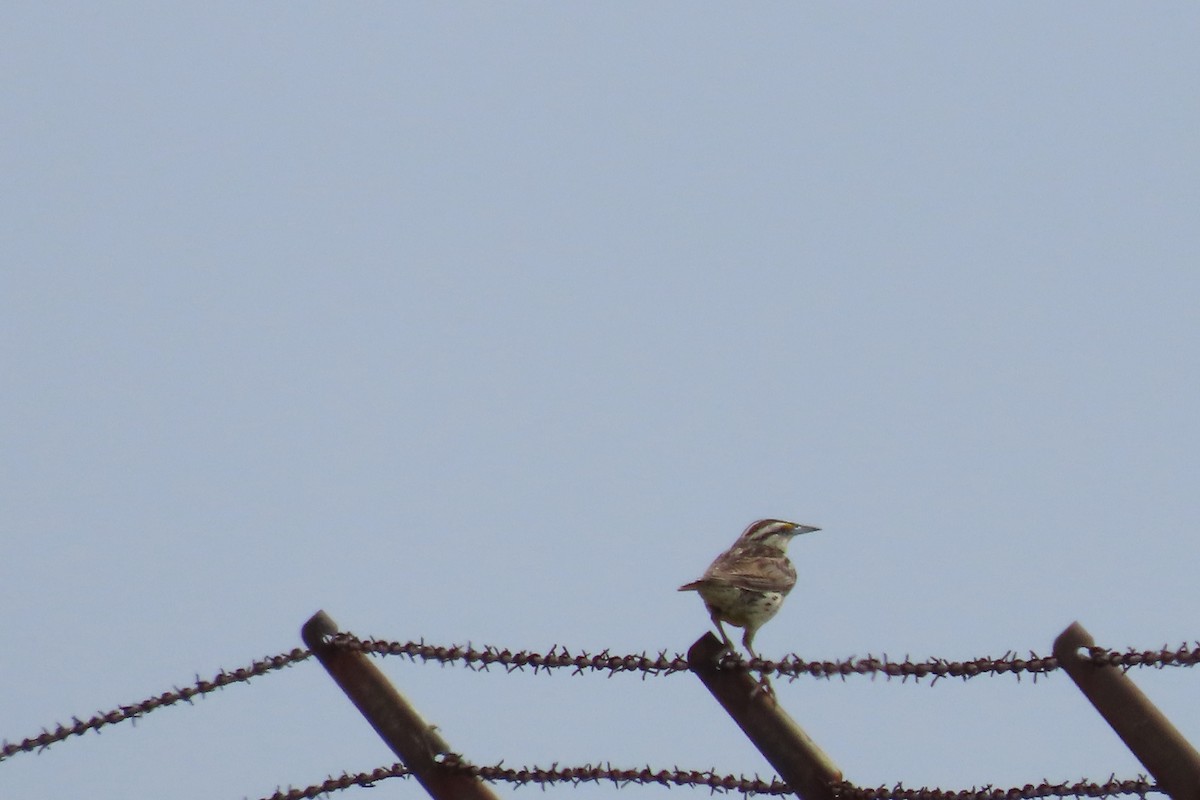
774,533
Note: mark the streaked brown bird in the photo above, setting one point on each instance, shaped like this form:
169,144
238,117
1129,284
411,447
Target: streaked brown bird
746,584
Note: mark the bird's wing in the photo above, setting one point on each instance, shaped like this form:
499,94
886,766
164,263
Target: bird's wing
754,573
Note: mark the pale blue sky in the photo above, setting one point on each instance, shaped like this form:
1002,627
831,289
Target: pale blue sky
496,322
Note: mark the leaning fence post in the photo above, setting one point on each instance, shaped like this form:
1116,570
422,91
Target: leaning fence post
1146,731
415,742
807,770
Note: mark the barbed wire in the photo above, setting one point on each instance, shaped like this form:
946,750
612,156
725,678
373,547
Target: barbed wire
790,667
715,782
554,774
1084,788
134,710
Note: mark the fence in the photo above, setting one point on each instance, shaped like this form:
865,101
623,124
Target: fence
1099,672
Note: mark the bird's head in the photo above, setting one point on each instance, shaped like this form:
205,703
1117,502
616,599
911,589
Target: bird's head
773,532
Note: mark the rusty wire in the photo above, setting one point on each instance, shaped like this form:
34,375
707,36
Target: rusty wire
1084,788
716,782
554,774
789,667
134,710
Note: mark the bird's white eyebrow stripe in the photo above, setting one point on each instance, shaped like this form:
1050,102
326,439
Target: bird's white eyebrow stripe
766,527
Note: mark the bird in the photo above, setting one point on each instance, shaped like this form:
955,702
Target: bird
746,585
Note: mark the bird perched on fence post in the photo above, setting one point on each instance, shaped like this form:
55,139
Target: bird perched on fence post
746,584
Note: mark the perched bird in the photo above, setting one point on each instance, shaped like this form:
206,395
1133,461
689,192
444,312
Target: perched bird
746,584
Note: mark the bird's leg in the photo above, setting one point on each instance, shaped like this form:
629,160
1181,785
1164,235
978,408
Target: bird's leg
724,636
748,640
764,683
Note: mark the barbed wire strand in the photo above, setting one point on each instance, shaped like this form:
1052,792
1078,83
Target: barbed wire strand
716,782
790,667
134,710
1083,788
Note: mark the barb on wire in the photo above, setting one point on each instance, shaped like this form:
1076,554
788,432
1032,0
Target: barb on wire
134,710
790,666
715,782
